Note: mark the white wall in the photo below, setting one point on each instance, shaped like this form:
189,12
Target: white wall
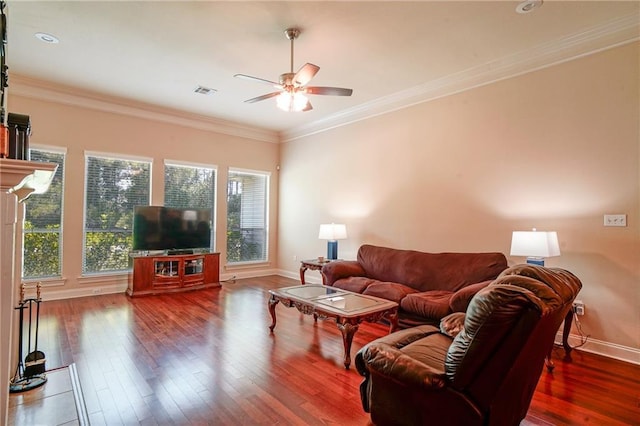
554,149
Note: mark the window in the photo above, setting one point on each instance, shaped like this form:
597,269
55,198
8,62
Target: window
190,186
113,187
247,206
42,232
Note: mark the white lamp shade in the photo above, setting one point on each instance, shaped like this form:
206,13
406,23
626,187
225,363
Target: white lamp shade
332,231
535,244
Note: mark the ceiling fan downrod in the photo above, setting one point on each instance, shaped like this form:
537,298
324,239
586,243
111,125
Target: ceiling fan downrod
292,34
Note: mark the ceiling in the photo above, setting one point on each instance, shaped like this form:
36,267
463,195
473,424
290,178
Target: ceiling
392,54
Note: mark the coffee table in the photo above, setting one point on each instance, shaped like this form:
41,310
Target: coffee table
348,309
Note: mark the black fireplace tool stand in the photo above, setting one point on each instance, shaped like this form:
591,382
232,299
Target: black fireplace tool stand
31,373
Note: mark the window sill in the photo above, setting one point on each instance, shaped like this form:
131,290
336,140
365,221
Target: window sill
45,282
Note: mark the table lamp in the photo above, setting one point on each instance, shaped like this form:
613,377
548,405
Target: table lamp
535,245
332,232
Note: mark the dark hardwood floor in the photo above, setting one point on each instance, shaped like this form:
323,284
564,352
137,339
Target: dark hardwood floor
207,357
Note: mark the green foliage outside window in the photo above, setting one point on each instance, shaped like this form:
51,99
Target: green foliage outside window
189,187
41,252
107,250
42,234
113,188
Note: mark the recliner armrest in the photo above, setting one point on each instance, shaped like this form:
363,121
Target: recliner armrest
333,271
386,360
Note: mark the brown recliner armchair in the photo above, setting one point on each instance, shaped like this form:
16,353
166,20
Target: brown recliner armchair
487,373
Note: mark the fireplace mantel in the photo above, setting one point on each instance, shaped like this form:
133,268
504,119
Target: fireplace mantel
18,180
25,177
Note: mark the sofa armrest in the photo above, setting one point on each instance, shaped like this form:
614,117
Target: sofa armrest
460,299
333,271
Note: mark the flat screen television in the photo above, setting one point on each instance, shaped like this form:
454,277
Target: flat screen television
166,228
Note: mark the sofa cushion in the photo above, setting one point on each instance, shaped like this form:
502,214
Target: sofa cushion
355,284
429,271
390,291
428,304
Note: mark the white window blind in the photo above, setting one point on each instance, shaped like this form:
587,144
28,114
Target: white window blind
190,186
42,229
247,207
113,187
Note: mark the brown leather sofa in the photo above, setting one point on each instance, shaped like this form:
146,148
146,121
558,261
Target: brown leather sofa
487,374
427,286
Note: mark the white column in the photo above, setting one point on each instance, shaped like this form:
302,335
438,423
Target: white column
8,218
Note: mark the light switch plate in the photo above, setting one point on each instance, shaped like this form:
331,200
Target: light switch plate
615,220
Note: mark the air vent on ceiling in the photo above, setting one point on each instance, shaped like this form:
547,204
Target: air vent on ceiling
201,90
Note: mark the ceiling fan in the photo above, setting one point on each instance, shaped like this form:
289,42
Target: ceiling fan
292,86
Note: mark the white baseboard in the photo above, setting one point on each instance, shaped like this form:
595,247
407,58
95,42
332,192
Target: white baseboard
55,294
309,277
599,347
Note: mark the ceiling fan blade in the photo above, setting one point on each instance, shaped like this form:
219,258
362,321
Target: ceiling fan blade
259,80
262,98
306,73
334,91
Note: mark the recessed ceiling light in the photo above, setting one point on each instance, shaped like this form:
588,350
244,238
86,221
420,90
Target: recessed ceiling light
47,38
528,6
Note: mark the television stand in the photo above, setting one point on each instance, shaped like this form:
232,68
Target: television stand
172,273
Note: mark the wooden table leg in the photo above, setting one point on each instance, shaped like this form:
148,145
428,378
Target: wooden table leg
393,321
303,269
272,310
348,330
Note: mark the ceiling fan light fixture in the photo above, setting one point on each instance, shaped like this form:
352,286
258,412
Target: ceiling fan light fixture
291,102
293,85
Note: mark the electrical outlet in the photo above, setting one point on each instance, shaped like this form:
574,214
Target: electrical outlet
578,307
295,257
615,220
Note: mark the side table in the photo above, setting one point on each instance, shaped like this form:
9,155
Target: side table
312,264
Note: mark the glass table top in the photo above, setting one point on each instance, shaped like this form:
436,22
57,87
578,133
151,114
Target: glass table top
309,292
333,299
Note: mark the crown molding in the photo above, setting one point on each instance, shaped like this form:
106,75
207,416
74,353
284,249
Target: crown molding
595,39
46,91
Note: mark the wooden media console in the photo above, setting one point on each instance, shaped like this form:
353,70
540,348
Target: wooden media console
173,273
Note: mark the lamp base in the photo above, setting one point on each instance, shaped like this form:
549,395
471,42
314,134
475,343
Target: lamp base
535,261
332,250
